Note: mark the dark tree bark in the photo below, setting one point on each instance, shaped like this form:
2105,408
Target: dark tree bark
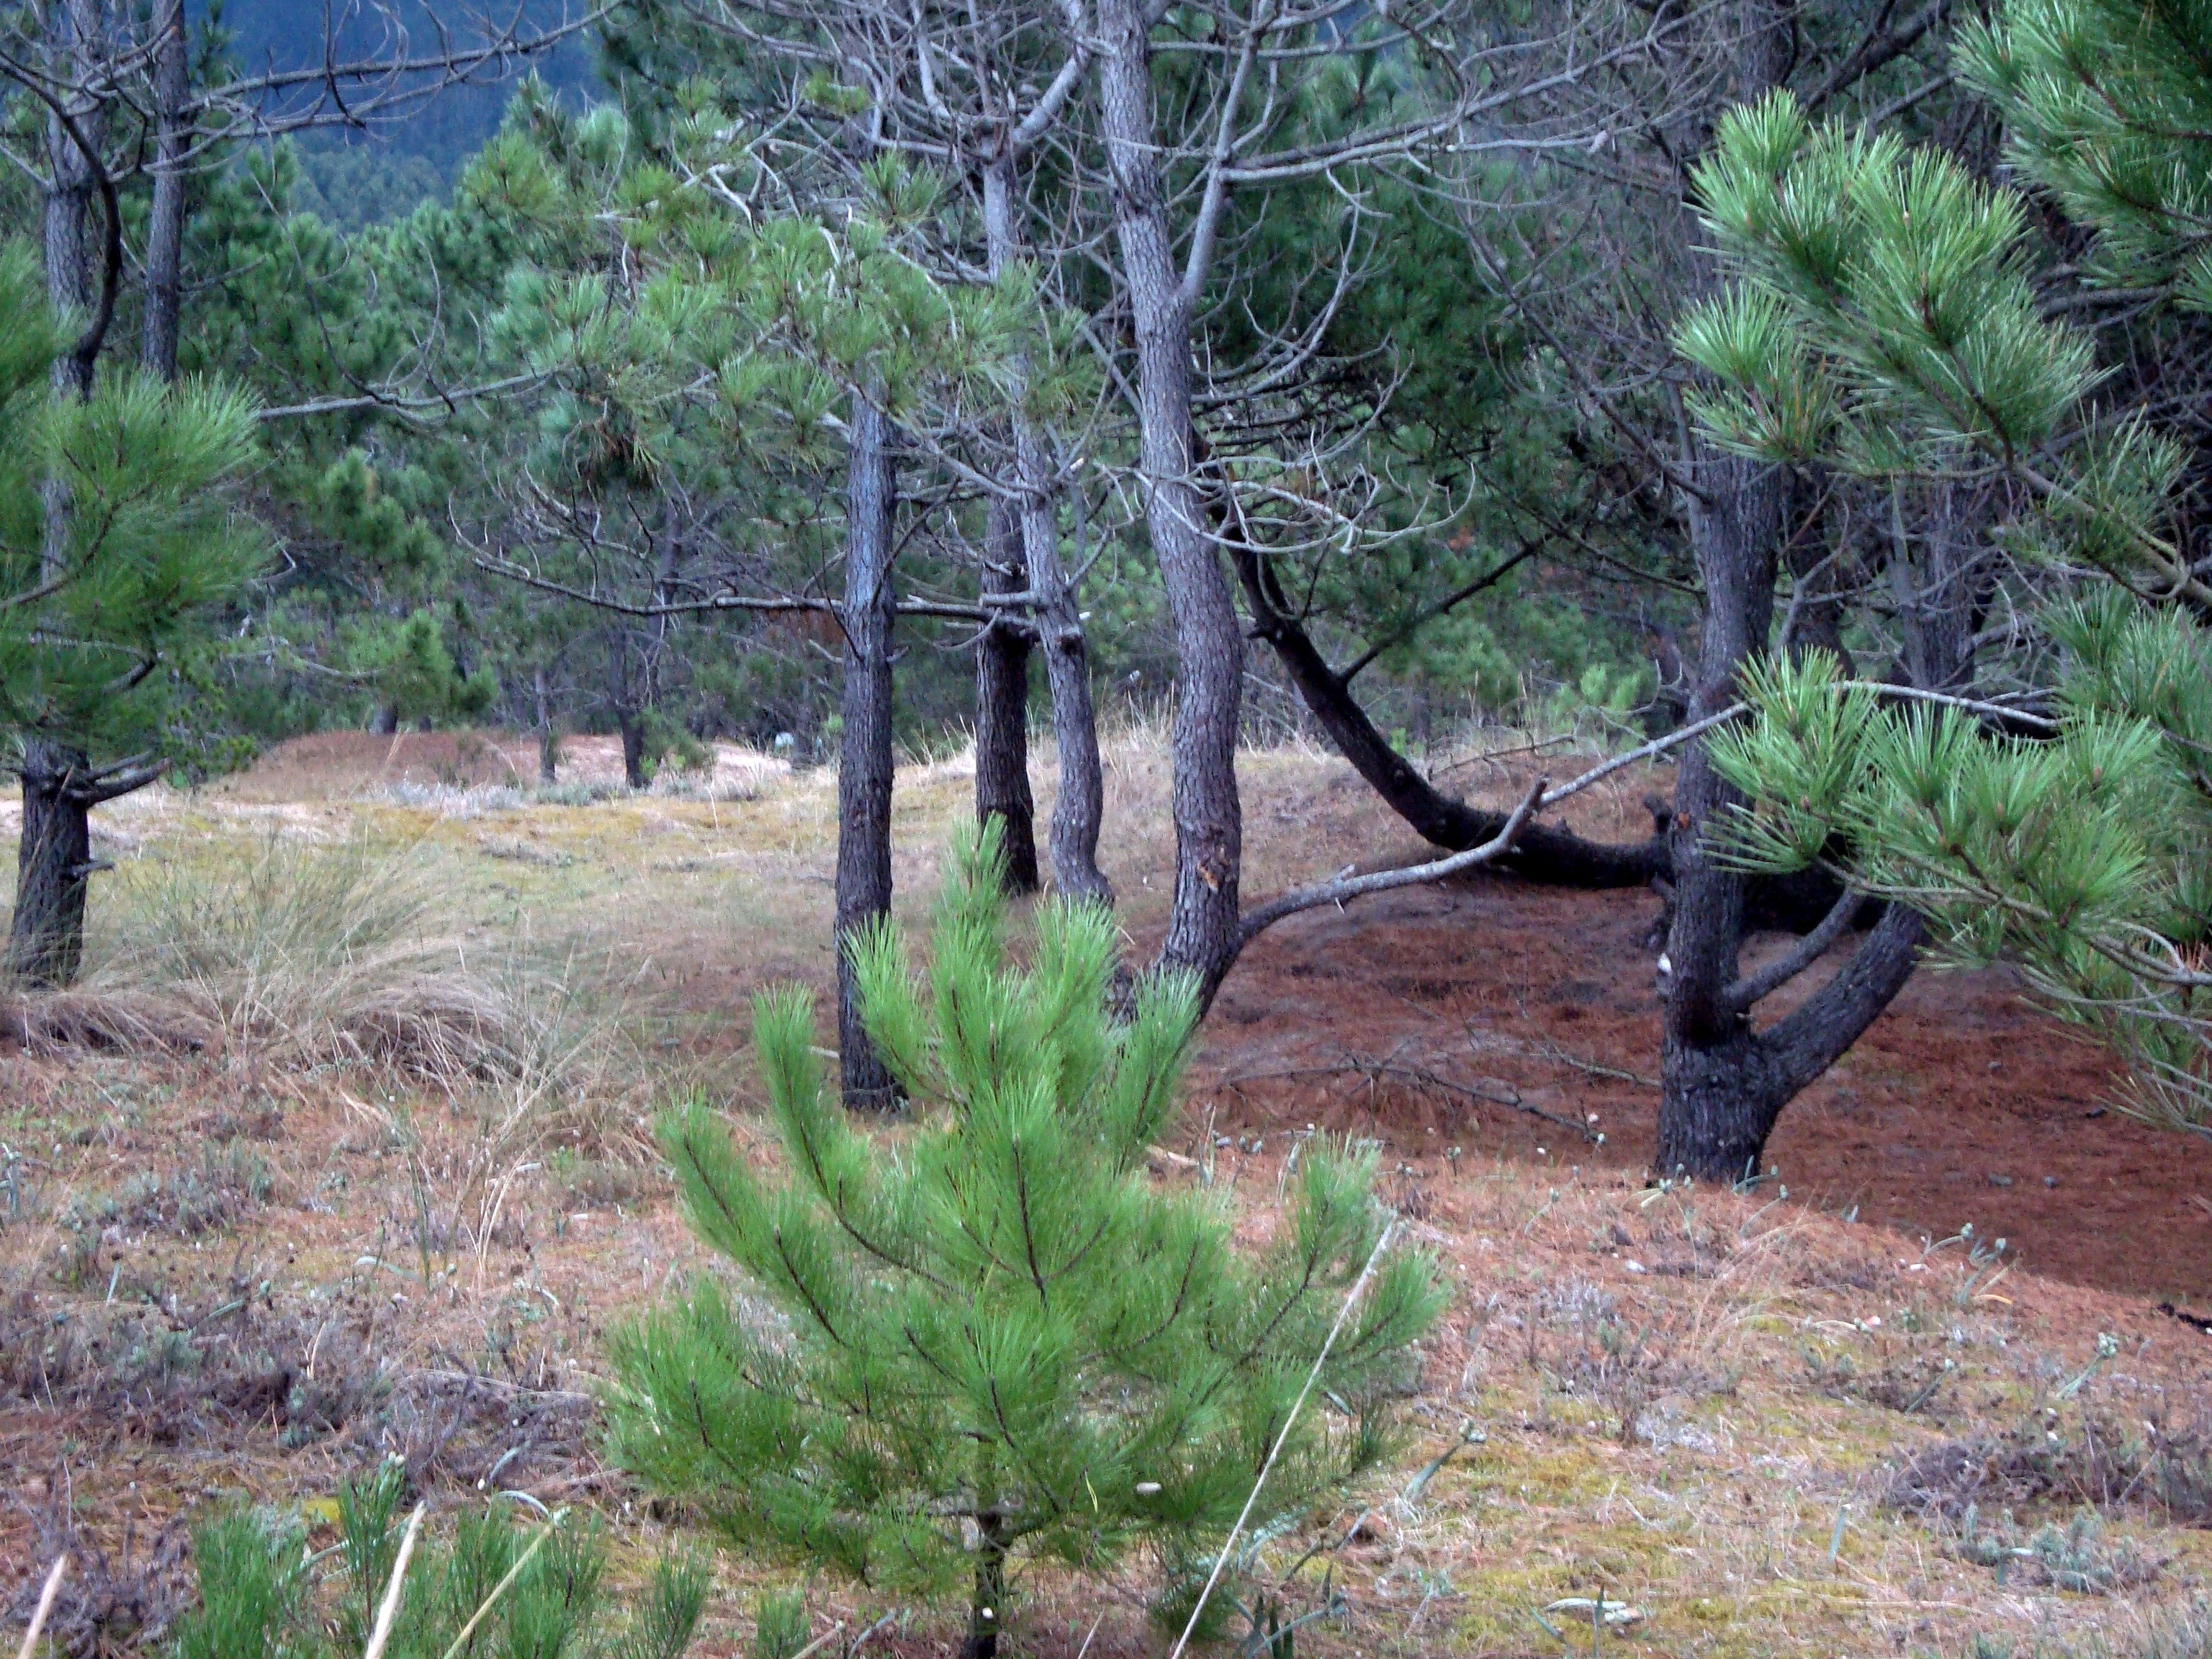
629,720
1078,809
165,220
1204,925
1724,1085
45,931
1002,707
384,719
1541,853
549,740
865,760
45,935
73,46
987,1611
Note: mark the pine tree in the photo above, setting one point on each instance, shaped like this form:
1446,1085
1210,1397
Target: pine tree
992,1337
118,540
1887,324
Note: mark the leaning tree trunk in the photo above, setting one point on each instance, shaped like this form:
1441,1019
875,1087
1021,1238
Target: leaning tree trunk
164,219
1002,706
865,760
1078,808
1541,853
45,935
1204,925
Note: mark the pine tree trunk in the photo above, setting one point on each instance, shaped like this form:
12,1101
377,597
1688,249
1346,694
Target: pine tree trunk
549,740
986,1612
866,759
630,722
46,932
1079,808
45,935
1002,707
1541,853
1204,930
164,219
71,189
1722,1084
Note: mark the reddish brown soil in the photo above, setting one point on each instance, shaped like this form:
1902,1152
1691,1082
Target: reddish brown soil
331,765
1963,1104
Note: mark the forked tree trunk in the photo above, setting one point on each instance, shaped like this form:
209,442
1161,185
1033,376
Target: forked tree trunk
865,760
1204,925
1723,1084
1078,809
45,935
1002,707
164,219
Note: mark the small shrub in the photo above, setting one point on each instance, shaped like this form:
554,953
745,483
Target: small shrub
212,1196
257,1601
994,1337
2077,1557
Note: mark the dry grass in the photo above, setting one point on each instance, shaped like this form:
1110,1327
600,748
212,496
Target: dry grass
390,1200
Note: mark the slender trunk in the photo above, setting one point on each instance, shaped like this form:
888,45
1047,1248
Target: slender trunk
629,720
384,719
46,934
986,1612
1002,707
549,740
45,931
165,220
1203,925
1723,1086
1078,810
68,204
865,762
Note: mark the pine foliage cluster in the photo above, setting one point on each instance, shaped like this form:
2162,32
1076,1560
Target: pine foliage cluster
1887,320
491,1589
120,532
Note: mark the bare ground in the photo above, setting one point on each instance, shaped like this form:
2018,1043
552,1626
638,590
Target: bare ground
1758,1419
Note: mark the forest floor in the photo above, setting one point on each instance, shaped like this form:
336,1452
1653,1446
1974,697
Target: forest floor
341,1151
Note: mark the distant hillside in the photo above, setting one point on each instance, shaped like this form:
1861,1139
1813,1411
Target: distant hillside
361,177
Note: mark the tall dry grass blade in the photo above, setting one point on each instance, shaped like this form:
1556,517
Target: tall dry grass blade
46,1597
390,1609
499,1590
1221,1556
